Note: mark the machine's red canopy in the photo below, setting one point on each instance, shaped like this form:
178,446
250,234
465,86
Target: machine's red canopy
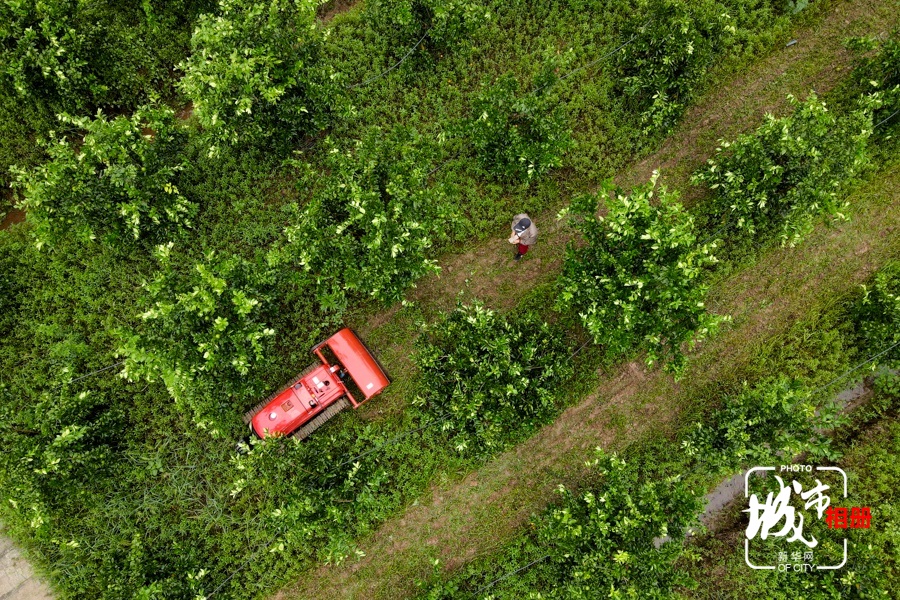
360,364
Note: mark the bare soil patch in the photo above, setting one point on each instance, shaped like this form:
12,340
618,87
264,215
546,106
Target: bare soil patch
329,10
13,216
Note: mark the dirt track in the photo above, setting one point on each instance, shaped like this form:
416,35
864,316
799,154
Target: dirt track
17,580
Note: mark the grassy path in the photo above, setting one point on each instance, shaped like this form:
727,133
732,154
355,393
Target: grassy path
816,62
460,519
485,271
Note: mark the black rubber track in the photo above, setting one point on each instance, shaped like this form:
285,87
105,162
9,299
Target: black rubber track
324,417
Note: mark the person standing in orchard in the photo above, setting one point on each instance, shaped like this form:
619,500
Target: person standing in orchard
524,234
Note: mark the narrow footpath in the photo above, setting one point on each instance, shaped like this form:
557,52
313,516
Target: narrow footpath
457,521
17,580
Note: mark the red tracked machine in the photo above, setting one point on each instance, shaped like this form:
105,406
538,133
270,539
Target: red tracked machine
346,371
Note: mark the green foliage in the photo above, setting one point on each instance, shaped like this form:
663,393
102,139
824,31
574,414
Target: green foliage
761,425
491,376
795,6
603,537
11,288
369,226
42,48
117,183
674,44
59,442
877,70
866,440
596,542
54,447
877,315
815,350
67,56
18,122
149,505
448,23
73,56
780,178
167,515
870,571
637,282
763,422
203,333
62,437
517,134
256,71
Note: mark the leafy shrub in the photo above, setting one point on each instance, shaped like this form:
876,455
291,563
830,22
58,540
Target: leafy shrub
778,179
58,442
600,541
491,376
636,283
11,287
45,53
18,123
369,226
255,70
72,56
869,564
54,445
517,134
877,70
64,56
116,183
448,23
877,314
603,538
674,44
774,420
201,334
